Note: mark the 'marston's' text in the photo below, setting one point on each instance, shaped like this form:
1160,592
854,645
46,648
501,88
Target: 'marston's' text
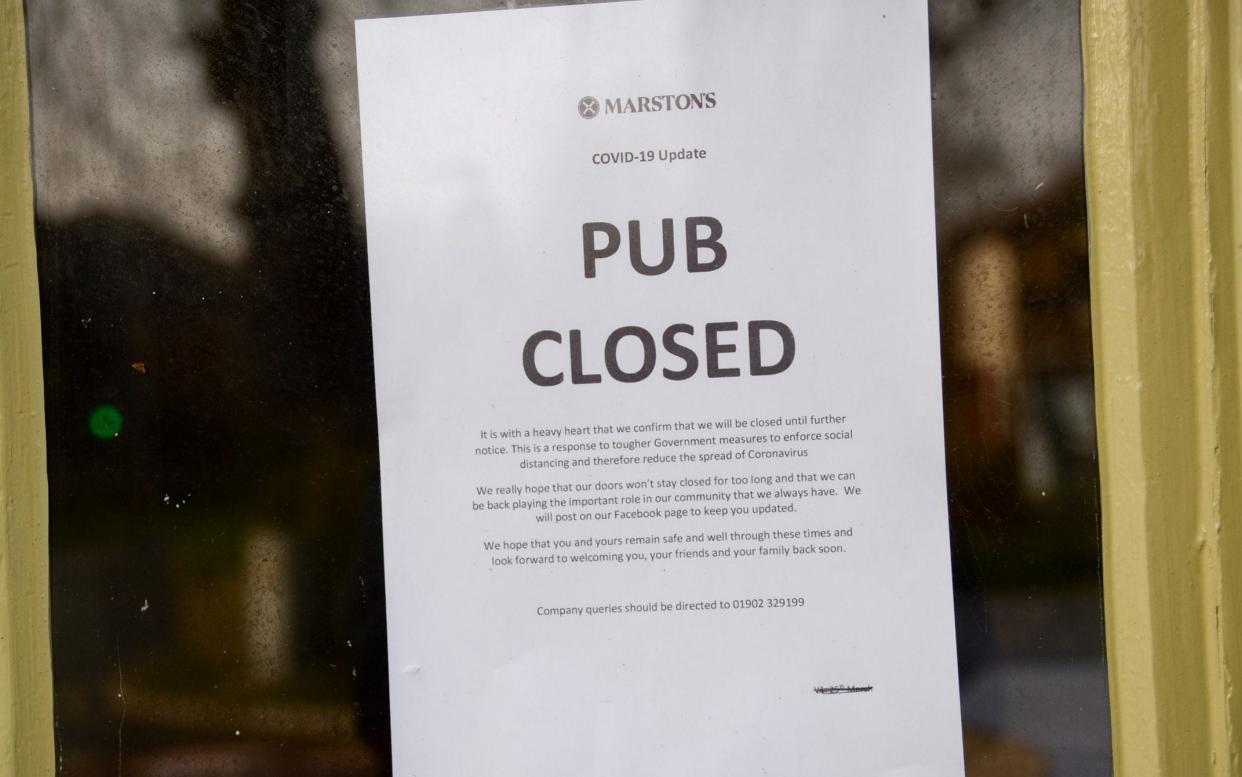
660,102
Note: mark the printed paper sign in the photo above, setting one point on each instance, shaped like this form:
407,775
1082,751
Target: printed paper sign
656,337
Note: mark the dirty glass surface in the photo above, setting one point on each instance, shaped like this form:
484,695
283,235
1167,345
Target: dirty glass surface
218,600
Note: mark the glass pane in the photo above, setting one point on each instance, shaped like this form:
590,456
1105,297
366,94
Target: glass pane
218,598
1019,401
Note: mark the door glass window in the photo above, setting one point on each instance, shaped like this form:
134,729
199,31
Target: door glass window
217,580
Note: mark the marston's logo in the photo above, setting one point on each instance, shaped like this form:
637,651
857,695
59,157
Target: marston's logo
590,107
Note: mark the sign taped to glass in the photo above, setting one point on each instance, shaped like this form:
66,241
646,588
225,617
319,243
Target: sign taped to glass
655,319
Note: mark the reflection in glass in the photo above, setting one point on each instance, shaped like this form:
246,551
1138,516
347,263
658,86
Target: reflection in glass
218,603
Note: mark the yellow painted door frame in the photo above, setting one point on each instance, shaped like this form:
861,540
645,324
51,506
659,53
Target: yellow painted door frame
1164,167
1164,177
26,746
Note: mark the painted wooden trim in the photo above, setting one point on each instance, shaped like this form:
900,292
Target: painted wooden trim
26,734
1164,166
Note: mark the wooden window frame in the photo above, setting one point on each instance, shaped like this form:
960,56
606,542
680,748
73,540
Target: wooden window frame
1163,136
26,730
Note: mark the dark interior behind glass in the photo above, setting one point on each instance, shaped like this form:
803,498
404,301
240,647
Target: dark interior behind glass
218,595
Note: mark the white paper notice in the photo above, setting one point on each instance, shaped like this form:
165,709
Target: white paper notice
657,355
